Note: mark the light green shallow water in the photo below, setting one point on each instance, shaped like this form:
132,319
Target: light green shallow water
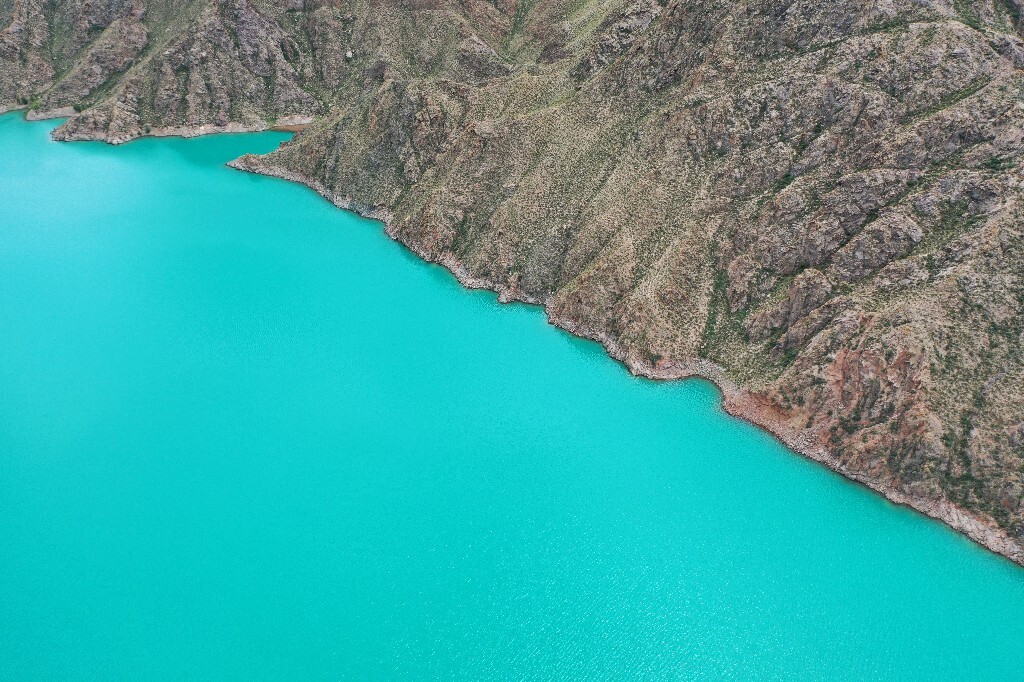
244,435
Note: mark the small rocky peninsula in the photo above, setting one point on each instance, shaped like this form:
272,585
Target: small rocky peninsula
817,205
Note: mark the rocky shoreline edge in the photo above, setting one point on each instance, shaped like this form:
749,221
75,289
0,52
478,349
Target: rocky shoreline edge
736,400
288,124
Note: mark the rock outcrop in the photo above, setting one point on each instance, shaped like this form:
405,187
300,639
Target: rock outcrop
817,205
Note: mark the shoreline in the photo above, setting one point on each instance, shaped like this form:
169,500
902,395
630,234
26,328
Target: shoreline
289,124
736,401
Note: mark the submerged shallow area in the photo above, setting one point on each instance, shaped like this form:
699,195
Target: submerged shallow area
244,434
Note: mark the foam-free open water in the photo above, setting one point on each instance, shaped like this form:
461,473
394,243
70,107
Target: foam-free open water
245,435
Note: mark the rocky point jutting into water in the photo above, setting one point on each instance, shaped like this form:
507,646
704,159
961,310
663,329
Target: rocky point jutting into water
816,204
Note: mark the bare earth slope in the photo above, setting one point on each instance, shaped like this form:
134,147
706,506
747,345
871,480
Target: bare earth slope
817,205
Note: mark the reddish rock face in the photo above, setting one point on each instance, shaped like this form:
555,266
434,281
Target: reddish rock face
818,205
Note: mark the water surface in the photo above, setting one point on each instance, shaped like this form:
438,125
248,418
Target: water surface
244,435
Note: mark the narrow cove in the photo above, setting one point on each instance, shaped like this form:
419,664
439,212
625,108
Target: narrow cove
244,434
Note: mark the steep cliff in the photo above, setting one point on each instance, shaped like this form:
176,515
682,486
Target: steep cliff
818,205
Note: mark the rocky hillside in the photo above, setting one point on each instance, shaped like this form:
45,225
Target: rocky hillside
816,204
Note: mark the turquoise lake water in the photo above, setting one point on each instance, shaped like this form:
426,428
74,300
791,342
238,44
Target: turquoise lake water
244,435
